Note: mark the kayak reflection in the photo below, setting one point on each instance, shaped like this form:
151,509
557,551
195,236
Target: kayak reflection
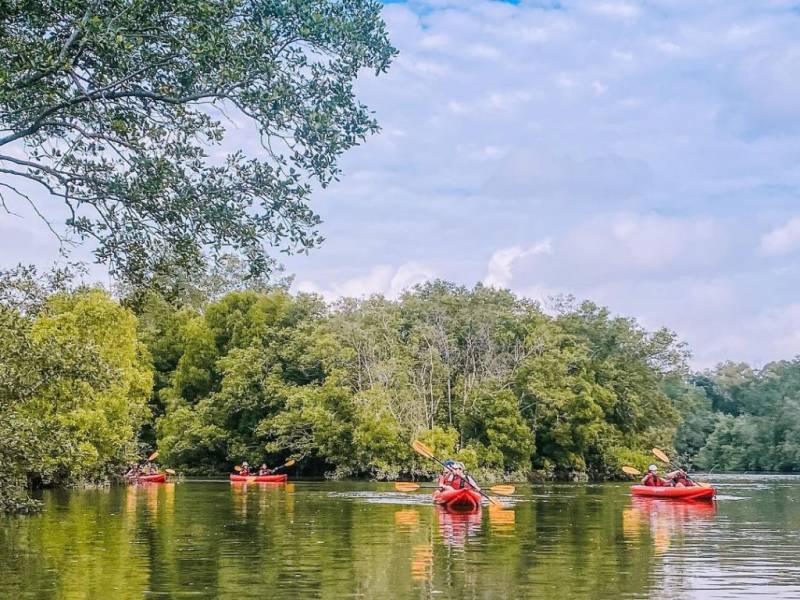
665,520
457,526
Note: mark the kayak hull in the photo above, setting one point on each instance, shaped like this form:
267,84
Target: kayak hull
259,478
157,478
463,499
685,493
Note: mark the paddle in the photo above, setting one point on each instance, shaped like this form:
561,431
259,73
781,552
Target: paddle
631,471
170,471
153,456
410,486
428,453
285,465
660,455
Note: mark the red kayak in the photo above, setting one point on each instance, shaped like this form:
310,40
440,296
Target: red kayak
259,478
465,499
157,478
686,493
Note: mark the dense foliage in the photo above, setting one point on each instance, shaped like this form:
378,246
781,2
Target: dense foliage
215,377
479,374
743,419
111,107
74,383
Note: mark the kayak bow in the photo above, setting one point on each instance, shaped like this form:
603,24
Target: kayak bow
465,498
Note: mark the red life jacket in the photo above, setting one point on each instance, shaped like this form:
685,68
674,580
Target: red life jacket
653,480
454,481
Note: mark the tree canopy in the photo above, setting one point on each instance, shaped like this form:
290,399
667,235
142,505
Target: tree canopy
111,107
88,382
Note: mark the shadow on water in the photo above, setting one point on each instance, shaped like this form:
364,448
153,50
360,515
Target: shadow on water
356,539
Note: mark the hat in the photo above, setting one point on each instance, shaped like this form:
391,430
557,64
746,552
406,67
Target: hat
652,468
449,463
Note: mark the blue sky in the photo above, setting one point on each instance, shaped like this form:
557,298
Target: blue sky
641,154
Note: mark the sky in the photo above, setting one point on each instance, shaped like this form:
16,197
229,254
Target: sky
644,155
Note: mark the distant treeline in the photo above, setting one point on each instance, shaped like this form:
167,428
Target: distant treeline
212,377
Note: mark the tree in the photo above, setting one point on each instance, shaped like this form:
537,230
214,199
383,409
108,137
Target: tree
109,106
74,381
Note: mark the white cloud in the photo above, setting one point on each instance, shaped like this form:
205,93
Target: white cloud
381,279
782,240
620,10
501,264
638,244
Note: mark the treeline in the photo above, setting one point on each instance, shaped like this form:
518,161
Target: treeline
478,374
214,374
737,418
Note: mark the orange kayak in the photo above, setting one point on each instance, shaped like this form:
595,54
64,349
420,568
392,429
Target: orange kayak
686,493
259,478
465,498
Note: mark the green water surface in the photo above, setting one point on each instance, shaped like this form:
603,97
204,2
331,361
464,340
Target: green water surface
214,539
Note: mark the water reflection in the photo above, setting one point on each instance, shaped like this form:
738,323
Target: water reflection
457,527
334,540
502,519
407,520
665,520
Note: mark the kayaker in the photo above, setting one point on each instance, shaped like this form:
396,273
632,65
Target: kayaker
133,471
456,477
652,478
264,469
679,478
245,469
448,464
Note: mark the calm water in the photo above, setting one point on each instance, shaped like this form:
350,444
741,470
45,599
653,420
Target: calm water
335,540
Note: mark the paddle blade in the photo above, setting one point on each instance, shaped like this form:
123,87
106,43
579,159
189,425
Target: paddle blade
237,468
153,456
631,471
169,471
406,486
502,490
495,501
660,455
289,462
423,449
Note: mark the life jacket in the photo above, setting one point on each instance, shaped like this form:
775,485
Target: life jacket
245,471
653,480
454,481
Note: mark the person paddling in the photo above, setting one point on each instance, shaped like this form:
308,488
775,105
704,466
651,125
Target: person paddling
456,477
245,469
652,478
134,471
264,469
679,478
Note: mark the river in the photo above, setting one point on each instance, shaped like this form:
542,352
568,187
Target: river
214,539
